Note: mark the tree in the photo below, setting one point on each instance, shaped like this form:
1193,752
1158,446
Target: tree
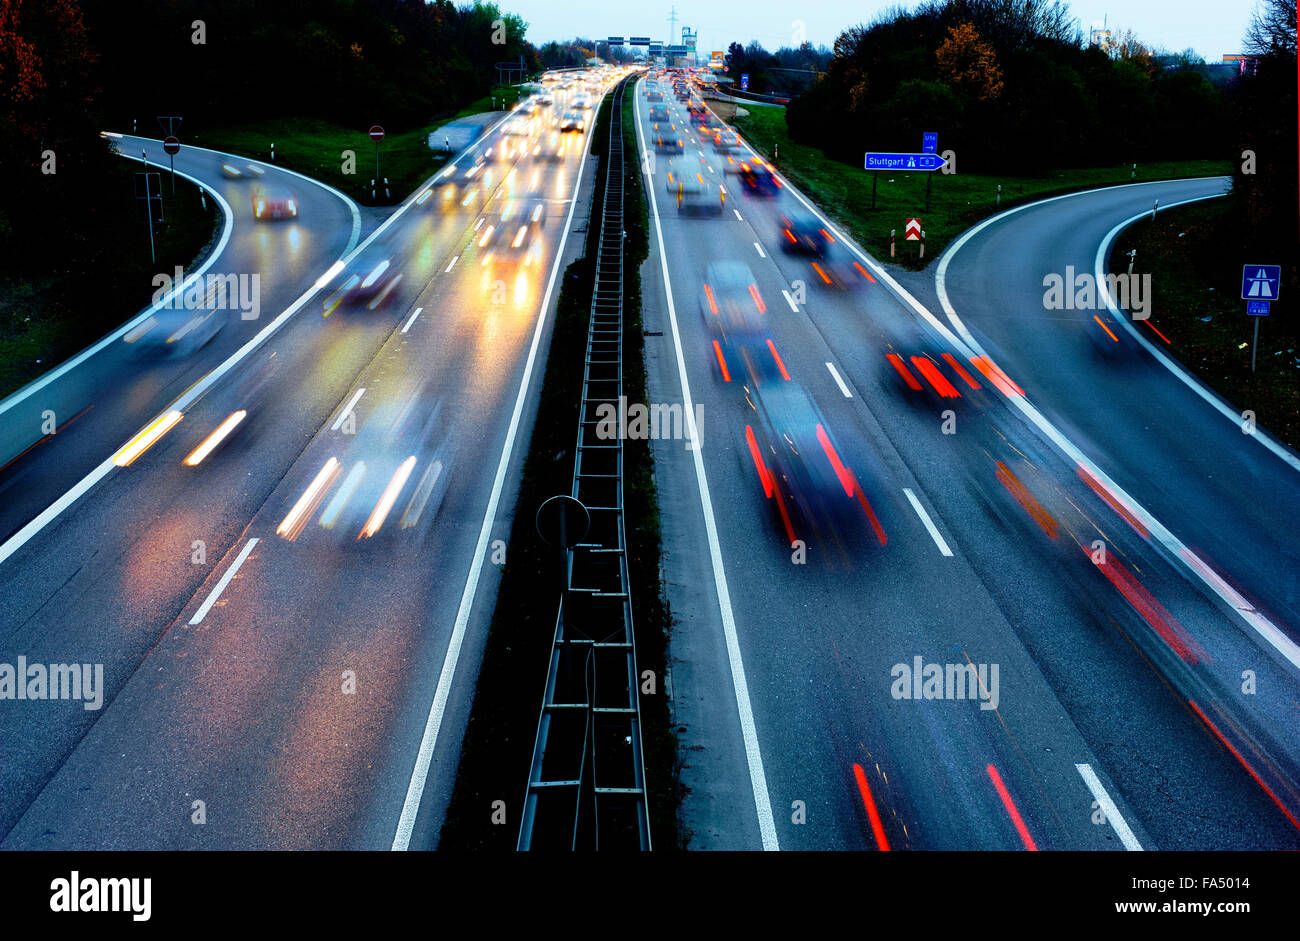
969,63
1272,29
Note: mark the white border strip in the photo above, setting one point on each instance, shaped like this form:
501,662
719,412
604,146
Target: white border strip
437,709
754,756
1113,816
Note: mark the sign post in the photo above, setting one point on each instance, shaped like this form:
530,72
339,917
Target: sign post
172,147
1260,285
376,135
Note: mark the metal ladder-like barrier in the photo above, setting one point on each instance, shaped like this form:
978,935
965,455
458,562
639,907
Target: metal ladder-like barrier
586,786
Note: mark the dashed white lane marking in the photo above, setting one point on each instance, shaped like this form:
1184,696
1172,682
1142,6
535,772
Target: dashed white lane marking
338,422
929,523
838,381
452,264
790,300
1113,816
204,608
759,248
412,320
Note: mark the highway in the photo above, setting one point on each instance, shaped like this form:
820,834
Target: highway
290,675
988,559
948,570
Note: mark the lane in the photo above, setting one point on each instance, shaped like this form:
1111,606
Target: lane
1026,522
294,704
826,635
56,429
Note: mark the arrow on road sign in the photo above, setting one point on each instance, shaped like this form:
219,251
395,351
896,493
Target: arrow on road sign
925,162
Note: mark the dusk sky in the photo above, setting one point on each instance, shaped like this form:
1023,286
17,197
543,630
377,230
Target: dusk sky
1211,27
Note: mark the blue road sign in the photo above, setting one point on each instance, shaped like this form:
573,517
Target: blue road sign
931,145
744,81
1260,282
902,162
1257,308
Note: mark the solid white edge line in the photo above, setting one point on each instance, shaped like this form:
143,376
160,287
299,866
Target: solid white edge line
412,320
929,523
433,725
338,422
42,381
790,300
753,755
835,374
759,248
1113,816
738,216
1186,378
204,608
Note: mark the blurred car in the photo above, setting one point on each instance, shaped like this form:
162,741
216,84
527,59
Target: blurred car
573,121
667,140
730,302
725,141
655,95
176,332
803,232
694,189
659,113
371,286
516,233
273,202
759,178
518,126
552,149
248,171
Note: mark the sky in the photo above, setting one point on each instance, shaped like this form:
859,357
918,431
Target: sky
1211,27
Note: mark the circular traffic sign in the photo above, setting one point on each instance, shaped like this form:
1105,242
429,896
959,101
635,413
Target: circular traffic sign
376,133
562,521
172,145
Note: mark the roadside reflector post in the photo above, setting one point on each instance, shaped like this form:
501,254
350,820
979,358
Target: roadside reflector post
273,151
922,255
1132,254
203,198
891,242
1133,173
1154,206
998,202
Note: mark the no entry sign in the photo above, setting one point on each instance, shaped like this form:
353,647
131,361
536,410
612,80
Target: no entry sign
172,145
376,133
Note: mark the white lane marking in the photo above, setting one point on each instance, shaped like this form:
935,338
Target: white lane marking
1184,377
738,217
412,320
759,248
452,264
838,381
338,422
41,382
753,755
1113,816
204,608
929,523
790,300
437,709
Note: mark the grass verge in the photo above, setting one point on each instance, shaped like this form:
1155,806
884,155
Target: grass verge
1196,284
50,315
957,200
316,149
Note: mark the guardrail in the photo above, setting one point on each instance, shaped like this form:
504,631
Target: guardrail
586,785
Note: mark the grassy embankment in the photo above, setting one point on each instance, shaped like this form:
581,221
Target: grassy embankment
957,200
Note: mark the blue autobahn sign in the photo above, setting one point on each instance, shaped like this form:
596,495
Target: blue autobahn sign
902,162
1260,282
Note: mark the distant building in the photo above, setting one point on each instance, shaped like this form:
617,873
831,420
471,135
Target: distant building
1245,64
